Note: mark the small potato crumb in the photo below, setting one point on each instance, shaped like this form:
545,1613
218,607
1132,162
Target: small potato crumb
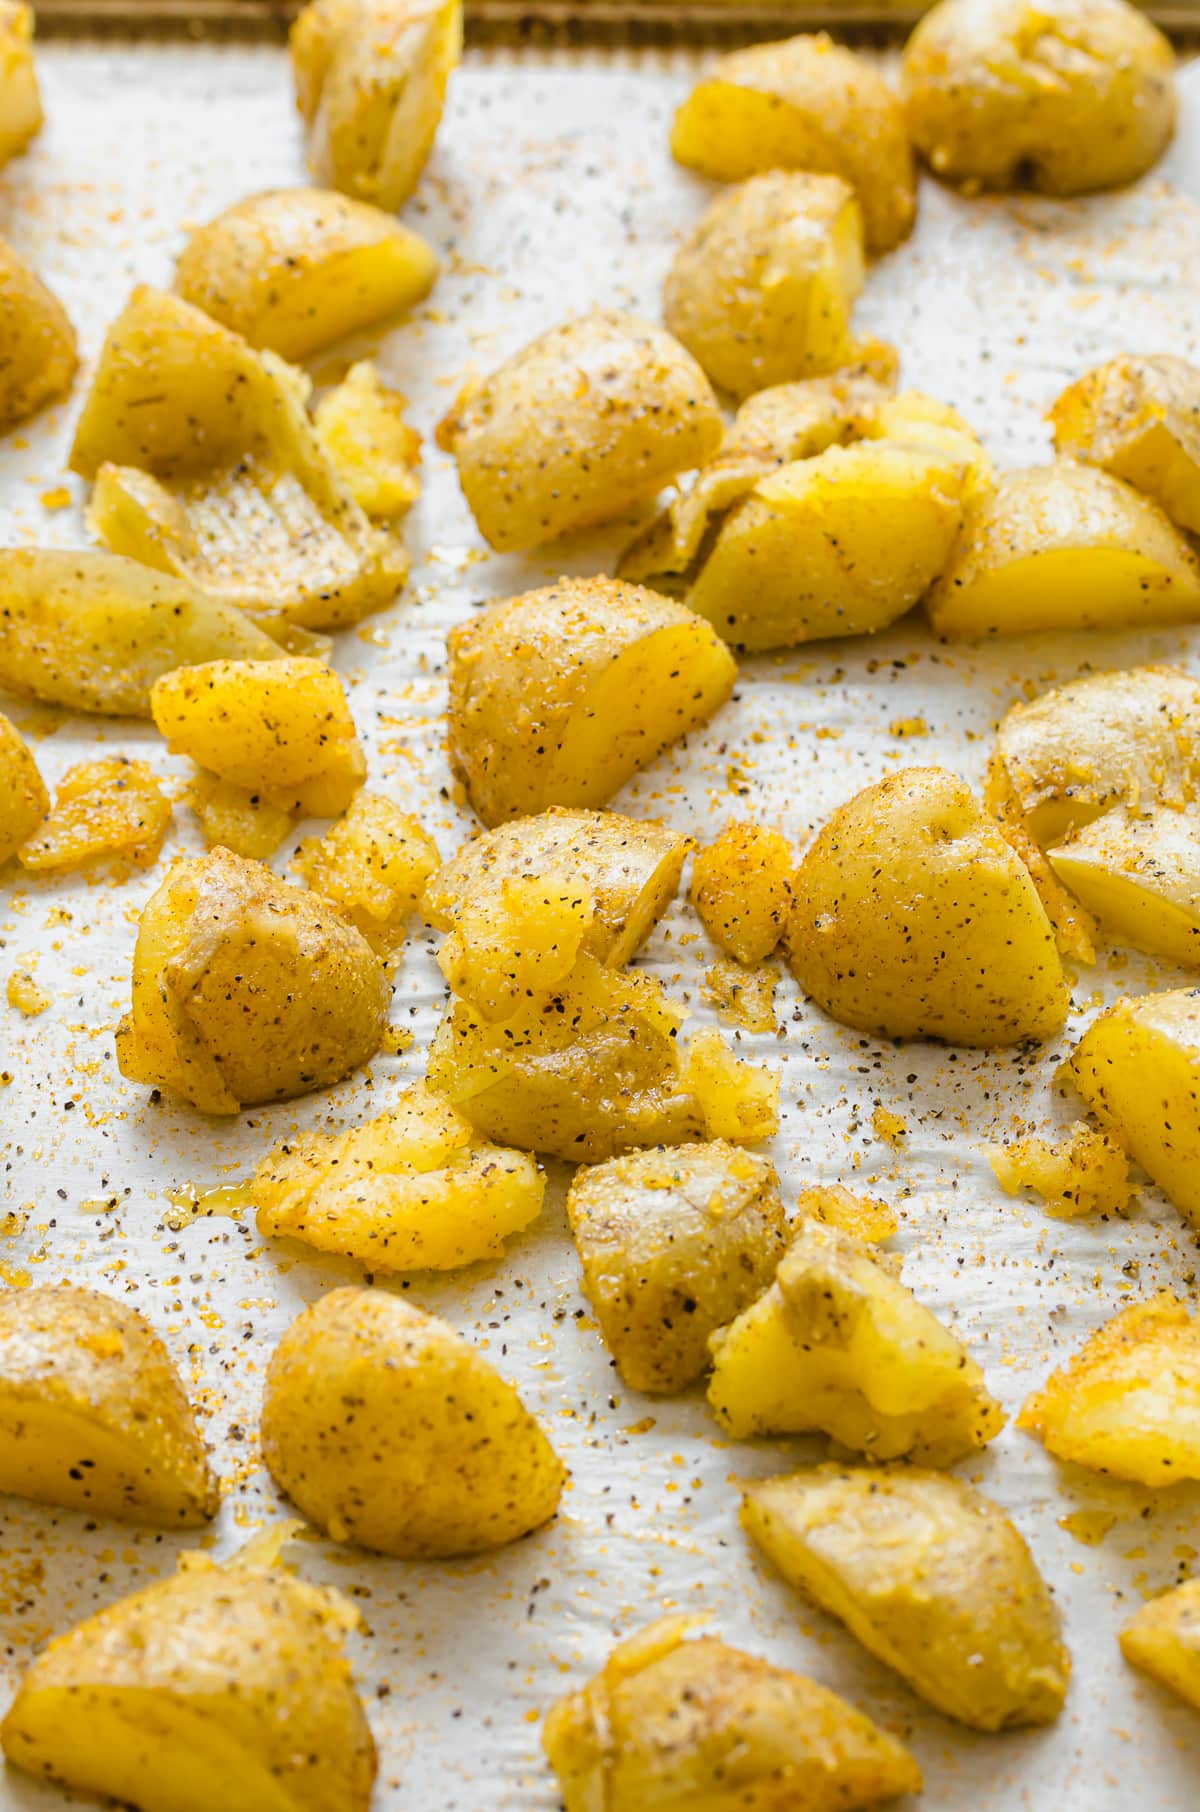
113,808
742,889
744,998
889,1127
859,1215
1085,1174
26,995
362,427
908,726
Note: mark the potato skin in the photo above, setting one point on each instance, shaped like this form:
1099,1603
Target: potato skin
22,789
20,100
473,1471
1013,94
1163,1638
40,352
1138,418
930,1575
742,889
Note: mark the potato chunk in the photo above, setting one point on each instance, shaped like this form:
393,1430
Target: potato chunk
103,810
1163,1639
1084,1174
930,1575
1140,877
742,889
20,101
1064,546
373,864
247,990
1128,1402
473,1470
40,355
413,1190
673,1245
1139,418
875,894
1015,94
804,104
297,269
24,800
362,428
577,426
866,1219
94,1415
558,697
189,1695
371,79
678,1726
839,1346
762,291
517,943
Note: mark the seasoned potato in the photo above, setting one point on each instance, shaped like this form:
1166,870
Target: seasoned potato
40,353
413,1190
24,800
875,894
761,292
1015,94
519,942
20,101
558,697
1128,1402
190,1694
682,1726
742,889
674,1244
1084,1174
631,868
93,1414
373,864
577,426
871,1221
231,818
247,990
371,79
1139,418
362,428
473,1470
1140,877
805,104
1064,546
1138,1068
113,809
1163,1638
297,269
930,1575
839,1346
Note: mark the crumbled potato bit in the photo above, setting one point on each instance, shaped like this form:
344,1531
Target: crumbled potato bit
24,800
373,863
742,997
1084,1174
233,818
26,995
860,1215
521,942
114,808
889,1127
738,1100
361,424
742,889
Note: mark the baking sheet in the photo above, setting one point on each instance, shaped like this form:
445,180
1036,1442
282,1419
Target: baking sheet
551,189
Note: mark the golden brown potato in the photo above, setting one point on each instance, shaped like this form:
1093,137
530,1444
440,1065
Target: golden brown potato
742,889
930,1575
1064,546
876,892
558,697
516,943
40,353
189,1695
1128,1402
413,1190
1163,1639
373,864
361,425
674,1244
247,990
805,104
371,79
24,800
682,1726
20,101
1014,94
1139,876
297,269
113,809
1084,1174
473,1470
838,1345
1139,418
576,427
761,292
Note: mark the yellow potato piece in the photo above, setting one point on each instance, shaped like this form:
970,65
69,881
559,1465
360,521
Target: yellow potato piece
560,696
24,800
840,1346
20,101
804,104
114,808
1163,1639
516,943
1128,1402
233,818
761,292
742,889
297,269
860,1215
1140,877
695,1726
1064,546
1084,1174
914,918
1139,418
473,1470
930,1575
40,355
373,864
362,428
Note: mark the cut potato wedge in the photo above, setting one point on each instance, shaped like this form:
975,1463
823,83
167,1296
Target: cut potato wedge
24,800
20,100
40,352
1163,1639
1139,418
1140,878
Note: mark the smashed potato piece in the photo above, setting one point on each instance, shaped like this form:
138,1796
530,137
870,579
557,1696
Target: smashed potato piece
578,426
1084,1174
362,428
742,889
737,1100
371,79
860,1215
231,818
875,892
1140,877
804,104
678,1726
515,944
373,864
1015,94
1128,1402
742,997
113,809
189,1694
560,696
297,269
1064,546
413,1190
761,292
838,1345
246,990
673,1245
931,1577
20,101
473,1470
1138,418
1163,1639
24,800
40,353
84,1375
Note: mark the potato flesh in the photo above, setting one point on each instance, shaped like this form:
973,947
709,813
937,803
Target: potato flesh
858,1215
521,942
1163,1639
20,101
1140,877
40,355
674,1244
839,1346
1085,1173
373,864
742,889
1136,418
233,819
362,427
22,790
102,809
930,1576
